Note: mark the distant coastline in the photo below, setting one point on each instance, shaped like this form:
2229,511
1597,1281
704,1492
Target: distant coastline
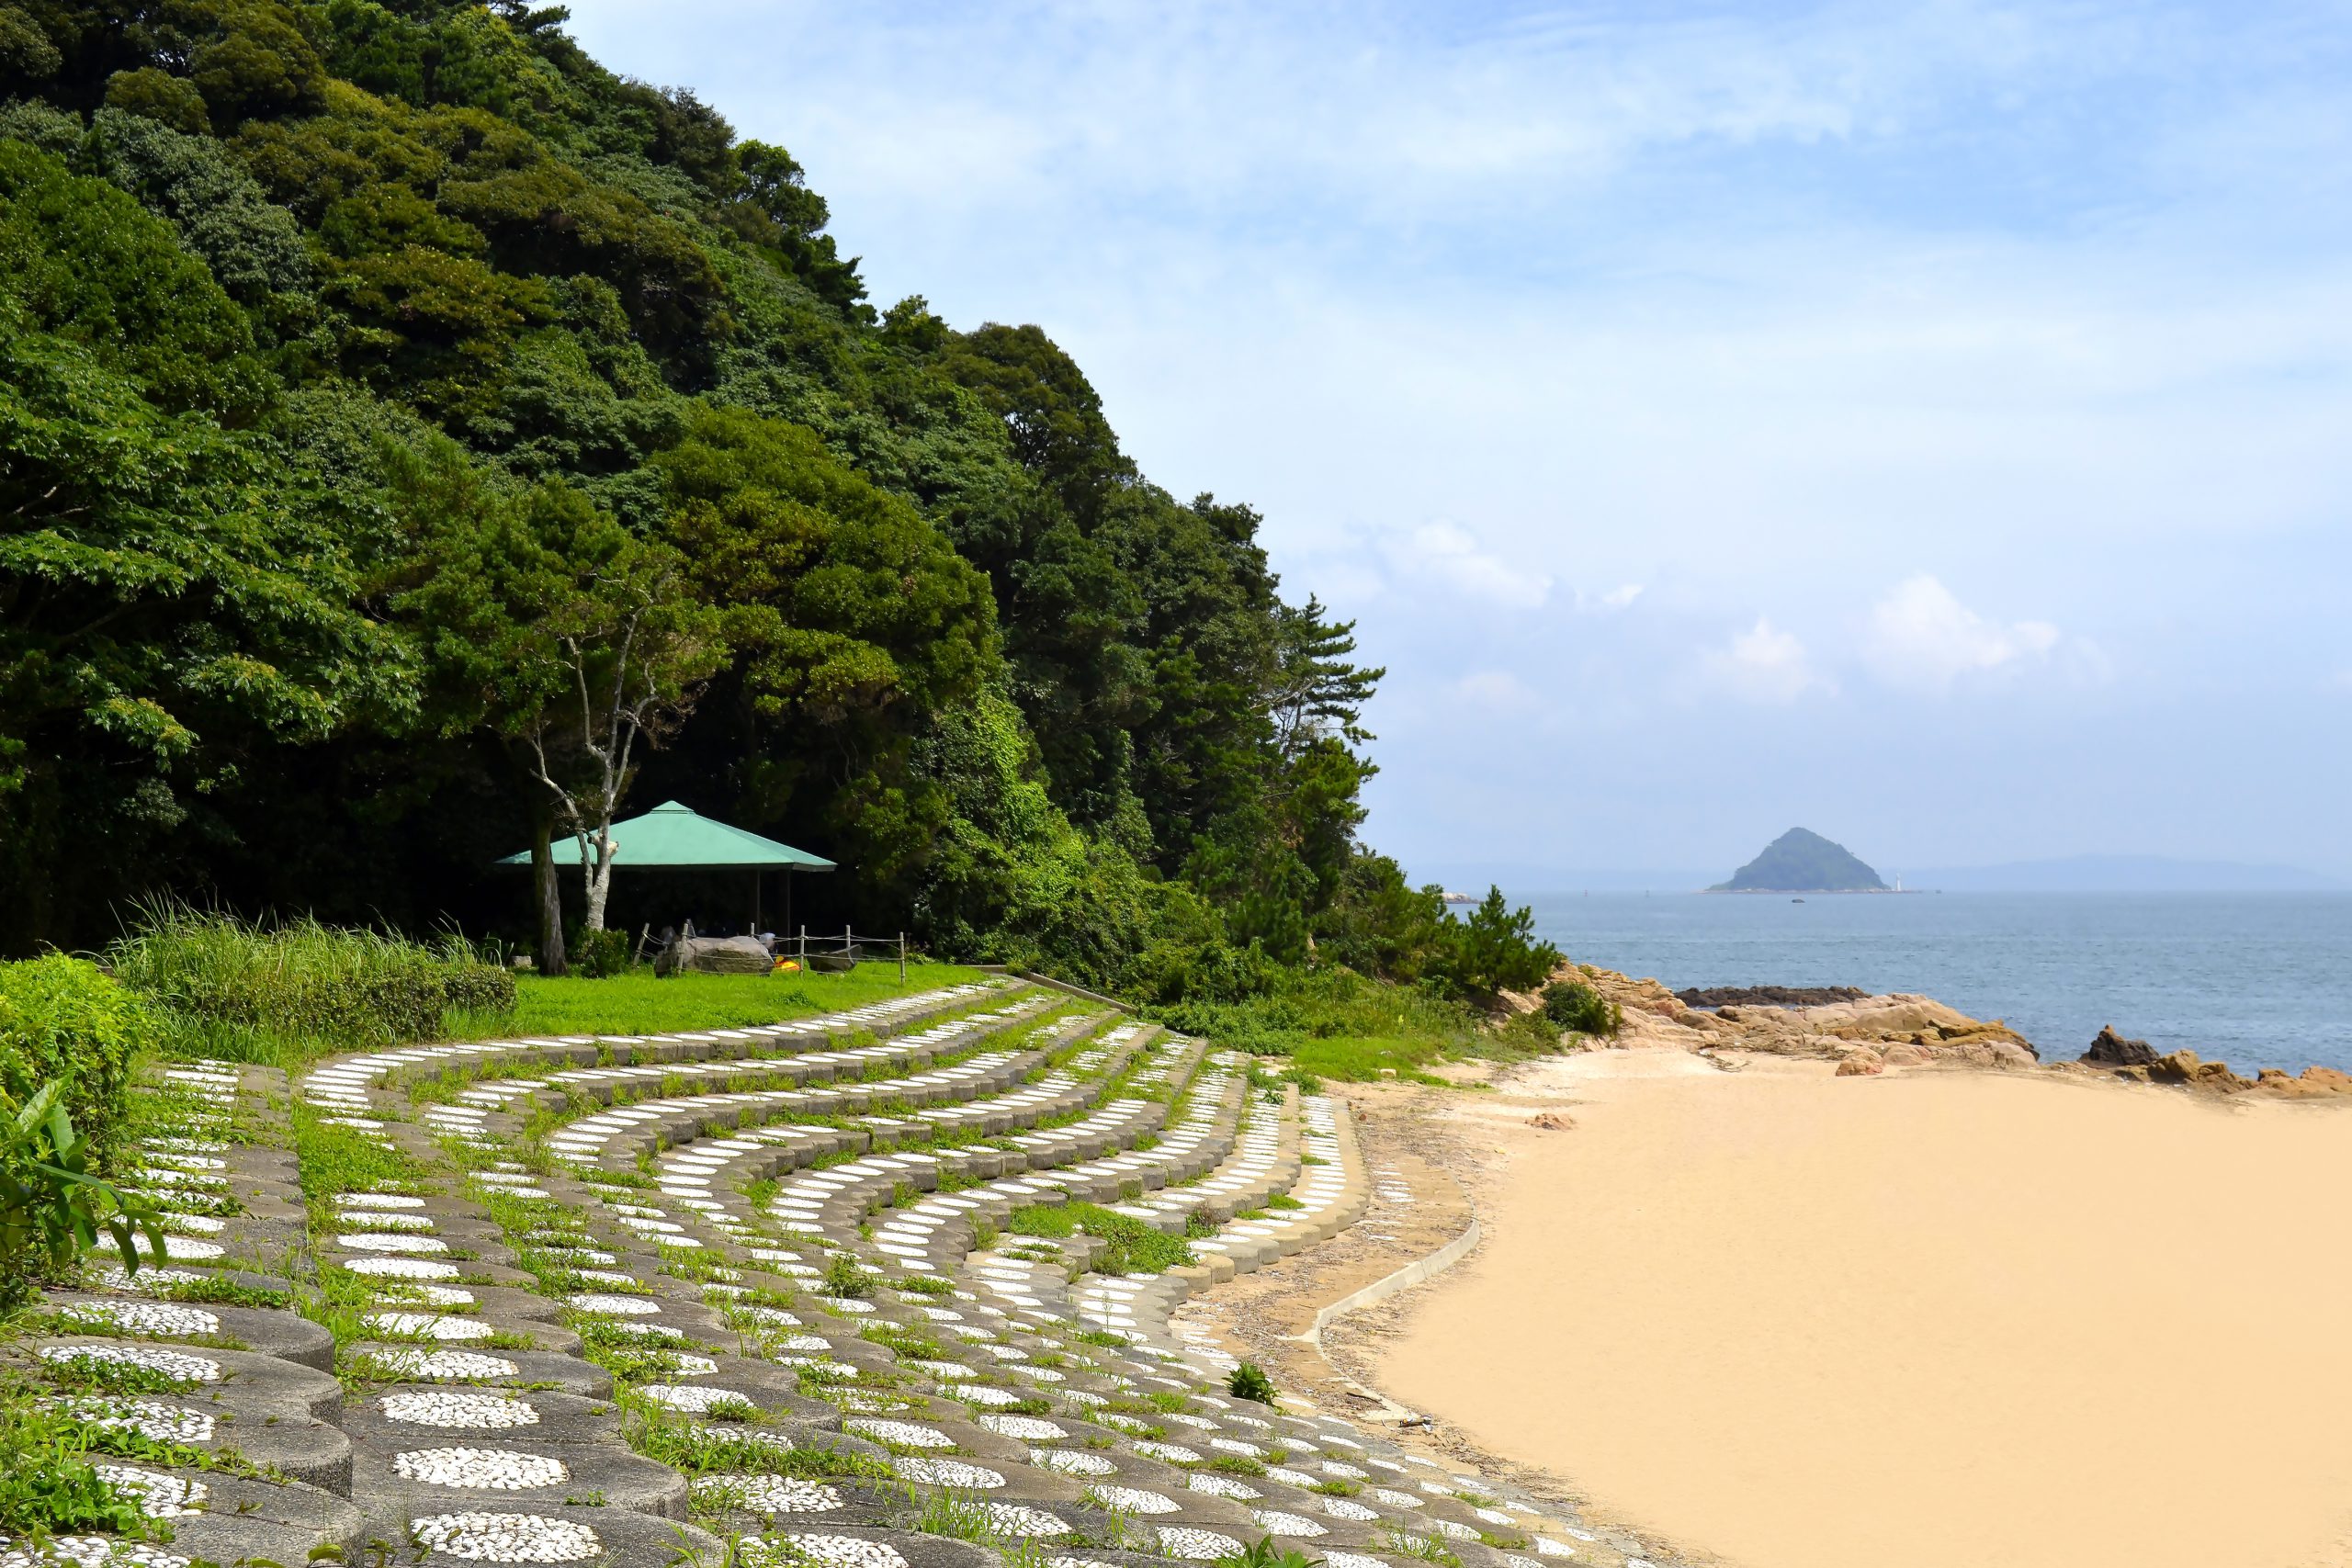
1816,892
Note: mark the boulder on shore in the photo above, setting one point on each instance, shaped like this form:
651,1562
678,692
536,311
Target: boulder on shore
713,955
2113,1050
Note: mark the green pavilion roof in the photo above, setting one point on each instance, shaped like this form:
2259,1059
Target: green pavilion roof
677,836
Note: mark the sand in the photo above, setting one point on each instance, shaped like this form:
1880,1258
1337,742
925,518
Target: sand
1924,1321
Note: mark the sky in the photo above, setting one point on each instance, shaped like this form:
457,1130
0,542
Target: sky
1928,423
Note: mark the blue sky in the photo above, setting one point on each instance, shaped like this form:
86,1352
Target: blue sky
1929,423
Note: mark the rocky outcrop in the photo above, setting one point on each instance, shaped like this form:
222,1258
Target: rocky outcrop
1861,1062
2113,1050
1923,1030
2186,1069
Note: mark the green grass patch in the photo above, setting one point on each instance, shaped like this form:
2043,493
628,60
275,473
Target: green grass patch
337,1159
48,1485
1352,1060
637,1003
1134,1247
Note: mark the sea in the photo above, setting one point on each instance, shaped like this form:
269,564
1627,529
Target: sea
2254,979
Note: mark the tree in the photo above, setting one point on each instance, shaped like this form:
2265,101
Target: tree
1496,949
574,642
1314,693
774,209
853,622
175,597
634,645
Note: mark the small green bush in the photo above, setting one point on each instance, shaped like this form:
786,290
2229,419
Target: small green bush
597,955
1573,1005
62,1021
1249,1382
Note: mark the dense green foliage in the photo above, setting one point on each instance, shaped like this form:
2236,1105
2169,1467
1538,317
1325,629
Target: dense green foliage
69,1036
420,442
63,1022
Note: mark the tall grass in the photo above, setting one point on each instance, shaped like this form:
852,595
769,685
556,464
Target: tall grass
1336,1025
295,988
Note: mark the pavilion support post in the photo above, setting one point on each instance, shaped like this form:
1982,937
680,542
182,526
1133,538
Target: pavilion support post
902,958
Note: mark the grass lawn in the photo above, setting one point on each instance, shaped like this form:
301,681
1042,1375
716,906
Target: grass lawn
637,1003
1361,1060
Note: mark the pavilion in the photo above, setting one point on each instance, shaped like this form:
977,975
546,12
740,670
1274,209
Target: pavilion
678,837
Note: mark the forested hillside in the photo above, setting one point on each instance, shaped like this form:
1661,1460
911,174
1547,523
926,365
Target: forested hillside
384,387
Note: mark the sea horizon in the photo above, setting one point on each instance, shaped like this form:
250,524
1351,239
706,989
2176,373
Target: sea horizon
2254,979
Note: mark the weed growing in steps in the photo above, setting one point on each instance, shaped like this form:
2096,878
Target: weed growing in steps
89,1374
335,1159
48,1484
845,1278
1427,1549
959,1515
1134,1247
1264,1553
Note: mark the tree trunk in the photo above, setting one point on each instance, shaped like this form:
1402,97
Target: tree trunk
600,884
549,898
600,875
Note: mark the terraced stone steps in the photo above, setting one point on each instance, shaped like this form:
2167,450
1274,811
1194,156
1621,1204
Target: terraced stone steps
791,1307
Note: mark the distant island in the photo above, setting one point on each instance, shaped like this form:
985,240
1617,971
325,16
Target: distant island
1801,860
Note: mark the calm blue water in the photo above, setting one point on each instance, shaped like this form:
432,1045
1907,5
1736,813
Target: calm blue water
2255,979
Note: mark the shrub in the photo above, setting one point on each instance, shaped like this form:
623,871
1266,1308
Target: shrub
1249,1382
334,988
596,955
1575,1006
63,1022
51,1207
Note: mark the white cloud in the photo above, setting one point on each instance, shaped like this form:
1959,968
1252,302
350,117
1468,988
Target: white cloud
1455,555
1765,664
1497,690
1617,598
1919,636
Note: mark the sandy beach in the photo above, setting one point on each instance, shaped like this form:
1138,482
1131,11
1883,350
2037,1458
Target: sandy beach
1926,1320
